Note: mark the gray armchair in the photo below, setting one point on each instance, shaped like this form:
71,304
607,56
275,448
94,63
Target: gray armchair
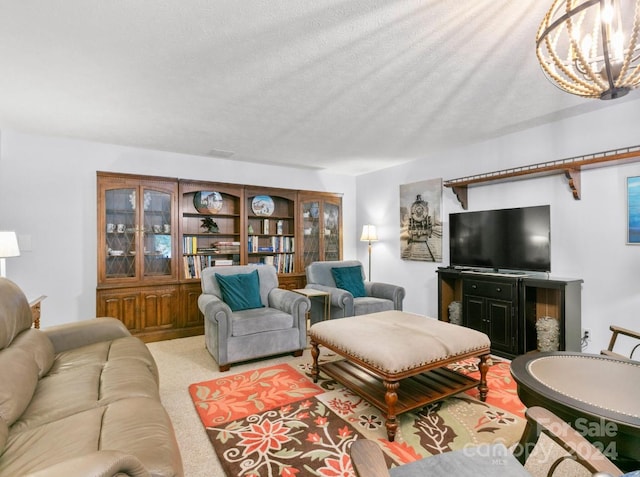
379,296
278,326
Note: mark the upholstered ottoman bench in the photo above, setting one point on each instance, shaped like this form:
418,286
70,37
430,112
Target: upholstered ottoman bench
397,360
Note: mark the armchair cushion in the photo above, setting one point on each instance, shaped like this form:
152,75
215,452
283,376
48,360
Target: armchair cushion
240,291
350,279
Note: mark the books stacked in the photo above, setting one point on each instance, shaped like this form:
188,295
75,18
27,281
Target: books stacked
227,247
194,264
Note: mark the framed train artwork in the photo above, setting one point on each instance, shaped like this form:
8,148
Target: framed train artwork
421,221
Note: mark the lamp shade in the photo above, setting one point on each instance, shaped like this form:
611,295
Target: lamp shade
9,244
369,233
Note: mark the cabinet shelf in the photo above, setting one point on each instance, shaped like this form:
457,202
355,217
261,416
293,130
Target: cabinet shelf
201,215
271,253
211,234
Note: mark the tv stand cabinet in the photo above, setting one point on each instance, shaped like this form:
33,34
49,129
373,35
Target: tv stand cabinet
506,307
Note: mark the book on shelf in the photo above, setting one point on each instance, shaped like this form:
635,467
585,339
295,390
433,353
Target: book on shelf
222,263
194,264
227,246
283,263
265,226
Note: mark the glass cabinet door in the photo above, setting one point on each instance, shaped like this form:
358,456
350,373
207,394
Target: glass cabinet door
121,232
157,227
138,233
331,231
321,222
311,232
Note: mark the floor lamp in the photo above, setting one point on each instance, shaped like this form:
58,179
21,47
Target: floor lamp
369,235
8,248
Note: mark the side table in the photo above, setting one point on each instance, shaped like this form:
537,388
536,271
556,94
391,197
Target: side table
35,310
313,293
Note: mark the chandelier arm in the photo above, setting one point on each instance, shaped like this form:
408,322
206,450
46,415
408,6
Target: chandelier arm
557,80
578,86
588,71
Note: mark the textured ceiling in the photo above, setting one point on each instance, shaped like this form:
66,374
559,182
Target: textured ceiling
345,85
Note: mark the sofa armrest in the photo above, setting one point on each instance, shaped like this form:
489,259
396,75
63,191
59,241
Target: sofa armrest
101,463
339,297
387,291
290,302
86,332
216,311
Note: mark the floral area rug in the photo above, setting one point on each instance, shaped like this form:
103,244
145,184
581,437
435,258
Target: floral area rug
275,421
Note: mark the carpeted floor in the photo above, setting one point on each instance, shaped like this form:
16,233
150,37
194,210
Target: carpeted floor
182,362
185,361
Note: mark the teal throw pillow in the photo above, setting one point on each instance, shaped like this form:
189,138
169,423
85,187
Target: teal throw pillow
350,279
241,291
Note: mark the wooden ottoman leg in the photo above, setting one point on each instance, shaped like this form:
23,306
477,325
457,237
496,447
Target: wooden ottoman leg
483,388
315,353
390,397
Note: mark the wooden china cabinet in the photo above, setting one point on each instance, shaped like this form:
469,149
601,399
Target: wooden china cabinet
320,227
156,234
137,250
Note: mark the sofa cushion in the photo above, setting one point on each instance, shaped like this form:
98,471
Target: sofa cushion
259,320
90,376
100,353
137,426
77,434
350,279
240,291
39,346
369,304
18,381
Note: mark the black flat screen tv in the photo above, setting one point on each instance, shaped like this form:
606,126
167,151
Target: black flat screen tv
505,239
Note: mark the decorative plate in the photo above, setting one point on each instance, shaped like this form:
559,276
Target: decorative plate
207,202
263,205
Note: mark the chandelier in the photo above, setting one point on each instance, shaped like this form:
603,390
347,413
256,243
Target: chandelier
590,47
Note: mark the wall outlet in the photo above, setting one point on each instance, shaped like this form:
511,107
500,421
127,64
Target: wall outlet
586,334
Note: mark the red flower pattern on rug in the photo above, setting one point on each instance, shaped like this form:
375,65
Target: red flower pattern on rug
232,397
275,421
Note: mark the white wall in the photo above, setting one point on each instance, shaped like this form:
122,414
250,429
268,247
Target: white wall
588,238
48,193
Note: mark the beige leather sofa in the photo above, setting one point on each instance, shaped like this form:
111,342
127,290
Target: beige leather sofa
79,399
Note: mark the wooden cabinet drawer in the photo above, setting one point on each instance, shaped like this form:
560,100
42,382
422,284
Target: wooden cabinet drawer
501,290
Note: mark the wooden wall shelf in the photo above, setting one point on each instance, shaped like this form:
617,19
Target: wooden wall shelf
570,167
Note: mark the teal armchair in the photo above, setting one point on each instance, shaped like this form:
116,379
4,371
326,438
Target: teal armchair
277,324
377,296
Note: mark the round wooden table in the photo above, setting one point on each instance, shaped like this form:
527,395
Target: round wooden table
597,395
